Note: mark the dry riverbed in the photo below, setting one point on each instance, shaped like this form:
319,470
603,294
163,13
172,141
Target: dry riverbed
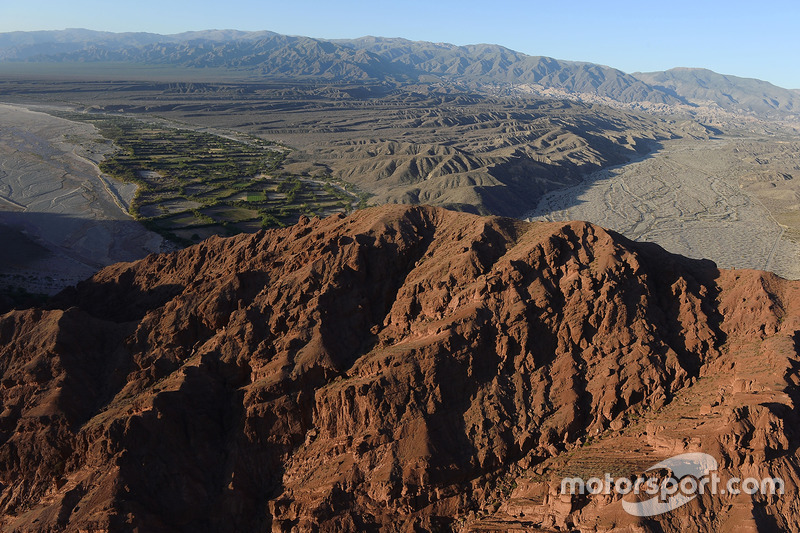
60,220
730,200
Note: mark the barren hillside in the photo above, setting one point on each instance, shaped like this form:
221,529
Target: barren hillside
404,368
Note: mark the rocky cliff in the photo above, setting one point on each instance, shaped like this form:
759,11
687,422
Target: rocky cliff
401,369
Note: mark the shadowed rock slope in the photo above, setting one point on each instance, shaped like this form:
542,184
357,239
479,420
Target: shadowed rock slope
401,369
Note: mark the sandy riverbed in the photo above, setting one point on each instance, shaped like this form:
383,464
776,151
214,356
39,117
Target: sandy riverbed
690,198
60,220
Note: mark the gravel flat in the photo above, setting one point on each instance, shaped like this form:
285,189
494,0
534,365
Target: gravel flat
689,197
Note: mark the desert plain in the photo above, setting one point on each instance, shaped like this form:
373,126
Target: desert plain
729,199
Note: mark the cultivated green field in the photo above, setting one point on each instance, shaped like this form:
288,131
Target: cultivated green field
195,184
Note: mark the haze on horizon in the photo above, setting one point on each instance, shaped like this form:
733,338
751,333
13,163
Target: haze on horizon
731,38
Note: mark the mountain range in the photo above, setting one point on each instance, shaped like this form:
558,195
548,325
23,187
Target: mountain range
400,369
400,61
405,367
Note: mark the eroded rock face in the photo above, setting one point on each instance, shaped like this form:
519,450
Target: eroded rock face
404,368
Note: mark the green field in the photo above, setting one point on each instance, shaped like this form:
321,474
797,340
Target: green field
194,184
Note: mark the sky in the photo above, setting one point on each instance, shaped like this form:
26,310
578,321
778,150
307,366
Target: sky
748,39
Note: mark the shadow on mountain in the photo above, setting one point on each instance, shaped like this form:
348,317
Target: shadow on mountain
527,186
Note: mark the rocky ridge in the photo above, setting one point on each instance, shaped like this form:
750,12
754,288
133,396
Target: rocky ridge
400,369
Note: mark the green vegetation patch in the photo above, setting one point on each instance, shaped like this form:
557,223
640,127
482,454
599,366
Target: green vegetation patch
194,184
257,197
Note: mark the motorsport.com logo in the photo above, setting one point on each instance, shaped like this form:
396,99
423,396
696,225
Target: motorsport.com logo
671,483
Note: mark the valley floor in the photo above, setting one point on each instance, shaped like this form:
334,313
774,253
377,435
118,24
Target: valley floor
727,199
60,221
732,199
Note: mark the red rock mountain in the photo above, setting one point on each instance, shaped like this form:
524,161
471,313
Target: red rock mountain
400,369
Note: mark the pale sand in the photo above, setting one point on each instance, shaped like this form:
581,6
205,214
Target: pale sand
53,195
688,198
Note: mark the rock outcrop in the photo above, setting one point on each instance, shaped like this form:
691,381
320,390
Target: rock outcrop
400,369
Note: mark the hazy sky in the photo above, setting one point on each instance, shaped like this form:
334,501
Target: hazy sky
750,39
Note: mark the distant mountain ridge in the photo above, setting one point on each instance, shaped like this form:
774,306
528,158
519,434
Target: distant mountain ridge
22,39
397,61
369,58
733,93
